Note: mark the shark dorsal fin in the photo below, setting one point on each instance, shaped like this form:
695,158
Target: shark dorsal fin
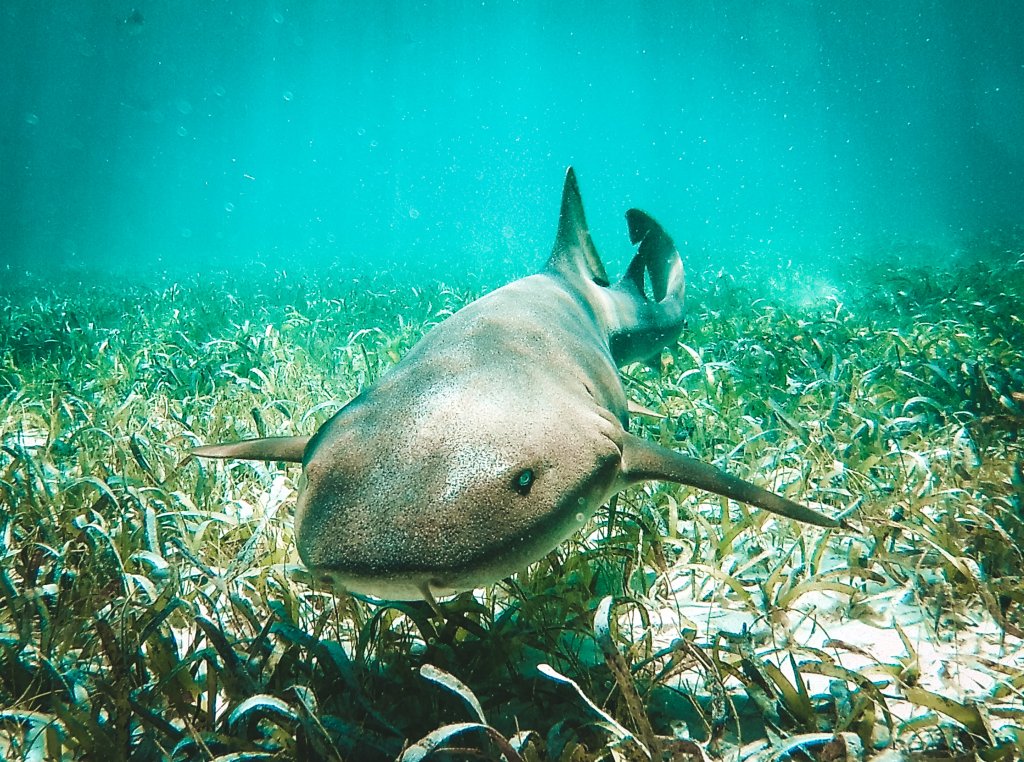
574,255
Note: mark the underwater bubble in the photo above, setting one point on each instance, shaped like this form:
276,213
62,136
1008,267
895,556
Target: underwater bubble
508,232
287,95
331,238
219,91
373,144
580,517
186,232
31,119
361,131
229,207
414,213
183,106
183,131
278,18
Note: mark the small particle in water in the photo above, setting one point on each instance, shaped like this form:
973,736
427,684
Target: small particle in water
414,213
134,20
183,131
229,207
287,95
278,18
31,119
219,91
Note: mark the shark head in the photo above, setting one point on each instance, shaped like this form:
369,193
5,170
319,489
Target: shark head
449,488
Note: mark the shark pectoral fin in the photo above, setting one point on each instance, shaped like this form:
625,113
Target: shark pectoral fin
290,449
635,408
642,460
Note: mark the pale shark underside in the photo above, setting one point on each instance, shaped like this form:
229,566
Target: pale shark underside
501,432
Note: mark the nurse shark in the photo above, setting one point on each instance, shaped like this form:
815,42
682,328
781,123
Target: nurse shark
501,432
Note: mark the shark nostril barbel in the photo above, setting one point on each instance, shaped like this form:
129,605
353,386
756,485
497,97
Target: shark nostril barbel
422,484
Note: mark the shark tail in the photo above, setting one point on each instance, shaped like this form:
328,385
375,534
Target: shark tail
656,272
648,312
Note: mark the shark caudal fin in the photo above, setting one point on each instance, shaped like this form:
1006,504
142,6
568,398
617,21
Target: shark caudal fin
288,449
574,255
656,269
647,313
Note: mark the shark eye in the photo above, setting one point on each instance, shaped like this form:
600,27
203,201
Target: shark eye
523,482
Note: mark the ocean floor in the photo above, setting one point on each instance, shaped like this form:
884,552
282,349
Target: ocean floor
154,604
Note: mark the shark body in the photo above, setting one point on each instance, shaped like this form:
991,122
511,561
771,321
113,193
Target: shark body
501,432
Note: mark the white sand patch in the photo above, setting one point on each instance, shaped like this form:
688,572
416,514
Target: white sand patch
963,656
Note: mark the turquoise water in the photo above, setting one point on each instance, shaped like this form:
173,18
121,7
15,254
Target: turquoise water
401,135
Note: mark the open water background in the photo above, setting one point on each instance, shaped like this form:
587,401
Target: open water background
409,135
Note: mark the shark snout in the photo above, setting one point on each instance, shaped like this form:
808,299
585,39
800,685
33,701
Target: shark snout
468,510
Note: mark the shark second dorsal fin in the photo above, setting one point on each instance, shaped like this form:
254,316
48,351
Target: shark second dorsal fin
288,449
574,255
